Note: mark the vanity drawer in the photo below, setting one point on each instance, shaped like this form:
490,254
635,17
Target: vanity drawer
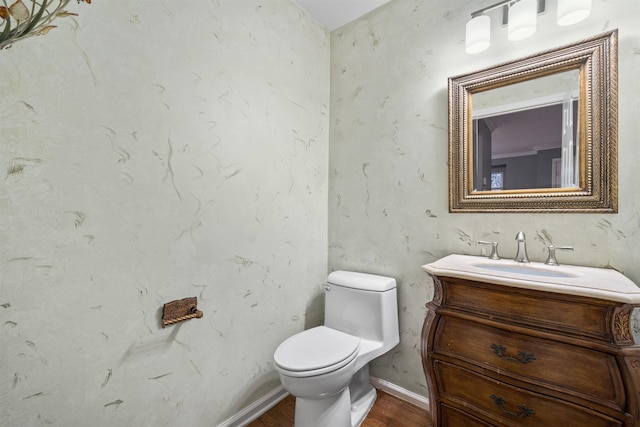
585,372
567,314
503,404
452,417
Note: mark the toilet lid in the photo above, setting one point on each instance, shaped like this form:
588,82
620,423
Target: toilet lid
316,348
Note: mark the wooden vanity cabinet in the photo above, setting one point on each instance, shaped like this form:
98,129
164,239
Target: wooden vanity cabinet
497,355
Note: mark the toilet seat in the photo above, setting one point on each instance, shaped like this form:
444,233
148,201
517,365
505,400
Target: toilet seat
316,351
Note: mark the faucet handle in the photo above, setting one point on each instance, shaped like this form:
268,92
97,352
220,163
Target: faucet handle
494,248
551,259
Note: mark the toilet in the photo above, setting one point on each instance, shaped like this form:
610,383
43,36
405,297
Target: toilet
326,368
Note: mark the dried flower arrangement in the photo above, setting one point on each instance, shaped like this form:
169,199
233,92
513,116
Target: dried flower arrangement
20,21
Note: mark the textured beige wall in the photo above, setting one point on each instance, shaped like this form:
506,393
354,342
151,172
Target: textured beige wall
152,150
388,207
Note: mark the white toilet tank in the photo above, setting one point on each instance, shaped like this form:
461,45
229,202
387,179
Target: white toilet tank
363,305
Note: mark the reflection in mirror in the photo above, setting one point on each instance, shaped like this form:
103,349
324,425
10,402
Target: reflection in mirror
537,134
525,135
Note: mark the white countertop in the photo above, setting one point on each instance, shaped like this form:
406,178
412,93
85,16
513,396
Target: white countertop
592,282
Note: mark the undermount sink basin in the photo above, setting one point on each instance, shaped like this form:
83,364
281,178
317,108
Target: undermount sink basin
527,269
568,279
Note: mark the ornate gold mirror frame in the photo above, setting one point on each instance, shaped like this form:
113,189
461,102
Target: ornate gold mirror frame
597,129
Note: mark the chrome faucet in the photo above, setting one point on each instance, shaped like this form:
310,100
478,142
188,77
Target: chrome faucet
494,248
551,260
521,256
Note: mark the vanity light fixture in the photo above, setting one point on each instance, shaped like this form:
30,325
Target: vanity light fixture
573,11
478,34
523,17
520,17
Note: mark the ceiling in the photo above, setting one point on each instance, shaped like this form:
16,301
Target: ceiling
333,14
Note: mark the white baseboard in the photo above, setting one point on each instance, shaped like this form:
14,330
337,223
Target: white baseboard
400,393
271,399
256,409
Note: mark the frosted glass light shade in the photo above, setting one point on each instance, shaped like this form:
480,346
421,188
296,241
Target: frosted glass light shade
523,17
572,11
478,35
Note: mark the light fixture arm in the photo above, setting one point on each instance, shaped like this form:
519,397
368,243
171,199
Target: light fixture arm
493,6
505,4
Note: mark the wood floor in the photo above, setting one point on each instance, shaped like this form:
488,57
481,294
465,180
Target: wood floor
387,411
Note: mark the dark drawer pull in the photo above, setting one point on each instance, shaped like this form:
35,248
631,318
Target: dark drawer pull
524,356
524,411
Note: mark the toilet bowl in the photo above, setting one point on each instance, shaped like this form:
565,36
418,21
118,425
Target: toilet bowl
316,363
326,367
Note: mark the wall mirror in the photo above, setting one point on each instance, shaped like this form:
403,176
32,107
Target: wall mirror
537,134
